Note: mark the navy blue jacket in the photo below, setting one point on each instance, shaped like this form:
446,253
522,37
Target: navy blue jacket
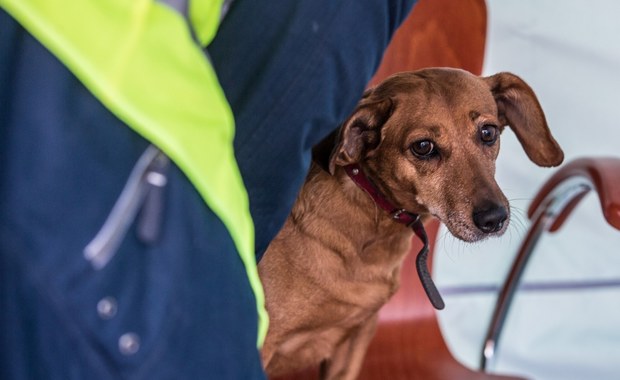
178,307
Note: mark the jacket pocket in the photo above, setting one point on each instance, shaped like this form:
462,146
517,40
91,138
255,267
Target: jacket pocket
140,201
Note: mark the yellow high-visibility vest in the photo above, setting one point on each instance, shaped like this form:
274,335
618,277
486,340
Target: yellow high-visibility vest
140,60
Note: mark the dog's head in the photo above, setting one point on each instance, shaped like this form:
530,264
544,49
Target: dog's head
429,140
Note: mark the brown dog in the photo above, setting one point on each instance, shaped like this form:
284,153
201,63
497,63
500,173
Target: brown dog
428,141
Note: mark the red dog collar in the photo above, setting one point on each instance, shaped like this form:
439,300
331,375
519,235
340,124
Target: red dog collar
407,218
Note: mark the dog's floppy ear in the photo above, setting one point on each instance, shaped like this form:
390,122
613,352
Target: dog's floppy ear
519,108
361,132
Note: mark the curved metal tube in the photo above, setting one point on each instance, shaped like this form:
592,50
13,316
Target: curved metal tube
548,211
553,206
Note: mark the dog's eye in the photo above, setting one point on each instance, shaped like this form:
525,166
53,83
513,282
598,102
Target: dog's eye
488,134
423,149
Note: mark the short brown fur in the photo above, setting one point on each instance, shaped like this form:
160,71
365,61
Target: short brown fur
337,259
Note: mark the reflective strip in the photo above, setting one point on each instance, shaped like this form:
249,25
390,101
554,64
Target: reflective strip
202,31
202,22
225,8
205,16
178,5
139,59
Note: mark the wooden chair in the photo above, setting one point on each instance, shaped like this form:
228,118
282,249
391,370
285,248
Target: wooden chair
408,343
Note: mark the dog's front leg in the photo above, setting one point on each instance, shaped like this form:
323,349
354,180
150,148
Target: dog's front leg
348,355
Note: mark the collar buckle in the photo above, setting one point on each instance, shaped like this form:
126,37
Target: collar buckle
405,217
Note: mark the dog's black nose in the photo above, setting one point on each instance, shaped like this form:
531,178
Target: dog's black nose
490,219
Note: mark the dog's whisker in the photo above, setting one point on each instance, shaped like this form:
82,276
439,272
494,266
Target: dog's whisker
452,251
519,220
454,247
443,237
526,199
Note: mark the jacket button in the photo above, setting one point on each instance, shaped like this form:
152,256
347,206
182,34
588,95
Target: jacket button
107,308
129,343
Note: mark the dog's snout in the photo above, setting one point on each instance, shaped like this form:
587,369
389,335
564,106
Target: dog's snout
491,218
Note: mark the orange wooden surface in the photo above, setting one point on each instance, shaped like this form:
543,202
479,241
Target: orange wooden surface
602,172
408,343
438,33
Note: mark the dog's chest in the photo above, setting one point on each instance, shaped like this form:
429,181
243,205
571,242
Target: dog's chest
309,347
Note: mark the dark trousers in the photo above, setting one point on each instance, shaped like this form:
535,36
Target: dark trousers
179,308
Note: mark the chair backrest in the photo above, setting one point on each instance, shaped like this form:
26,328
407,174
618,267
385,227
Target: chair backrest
437,33
408,343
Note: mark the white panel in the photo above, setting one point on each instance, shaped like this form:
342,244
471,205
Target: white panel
569,52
